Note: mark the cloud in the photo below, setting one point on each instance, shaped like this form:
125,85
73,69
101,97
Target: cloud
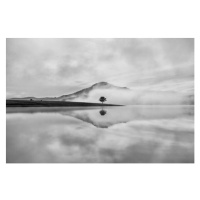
53,67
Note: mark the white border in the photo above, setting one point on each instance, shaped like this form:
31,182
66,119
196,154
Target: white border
49,19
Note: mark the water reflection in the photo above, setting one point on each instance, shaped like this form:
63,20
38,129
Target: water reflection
125,134
102,112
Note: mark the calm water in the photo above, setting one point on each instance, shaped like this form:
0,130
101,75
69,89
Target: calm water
129,134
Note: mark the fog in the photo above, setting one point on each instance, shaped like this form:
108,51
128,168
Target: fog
137,97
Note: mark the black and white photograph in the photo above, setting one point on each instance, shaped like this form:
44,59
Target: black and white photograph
100,100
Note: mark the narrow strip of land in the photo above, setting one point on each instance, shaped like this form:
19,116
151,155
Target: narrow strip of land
35,103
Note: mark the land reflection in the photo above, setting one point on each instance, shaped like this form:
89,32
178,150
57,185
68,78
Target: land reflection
116,134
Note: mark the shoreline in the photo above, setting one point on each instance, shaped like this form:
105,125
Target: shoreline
27,103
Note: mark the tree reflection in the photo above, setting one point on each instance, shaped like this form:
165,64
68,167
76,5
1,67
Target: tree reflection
102,112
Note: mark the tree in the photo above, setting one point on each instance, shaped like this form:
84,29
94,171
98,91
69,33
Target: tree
102,99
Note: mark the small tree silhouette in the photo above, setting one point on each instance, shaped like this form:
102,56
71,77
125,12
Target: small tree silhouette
102,99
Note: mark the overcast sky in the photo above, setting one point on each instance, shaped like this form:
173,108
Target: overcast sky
54,67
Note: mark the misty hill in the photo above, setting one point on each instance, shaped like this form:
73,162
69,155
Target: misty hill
85,93
121,95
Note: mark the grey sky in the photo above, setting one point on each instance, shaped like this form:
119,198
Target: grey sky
53,67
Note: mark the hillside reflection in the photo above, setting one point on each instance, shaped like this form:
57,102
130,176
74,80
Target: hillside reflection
102,118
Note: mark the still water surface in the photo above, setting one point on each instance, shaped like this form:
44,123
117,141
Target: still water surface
127,134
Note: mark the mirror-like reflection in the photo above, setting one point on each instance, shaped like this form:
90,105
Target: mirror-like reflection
102,112
127,134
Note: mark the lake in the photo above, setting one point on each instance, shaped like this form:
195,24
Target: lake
124,134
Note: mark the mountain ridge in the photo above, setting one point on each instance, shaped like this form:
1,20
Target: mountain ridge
104,85
86,91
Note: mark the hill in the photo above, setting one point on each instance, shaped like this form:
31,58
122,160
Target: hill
121,96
